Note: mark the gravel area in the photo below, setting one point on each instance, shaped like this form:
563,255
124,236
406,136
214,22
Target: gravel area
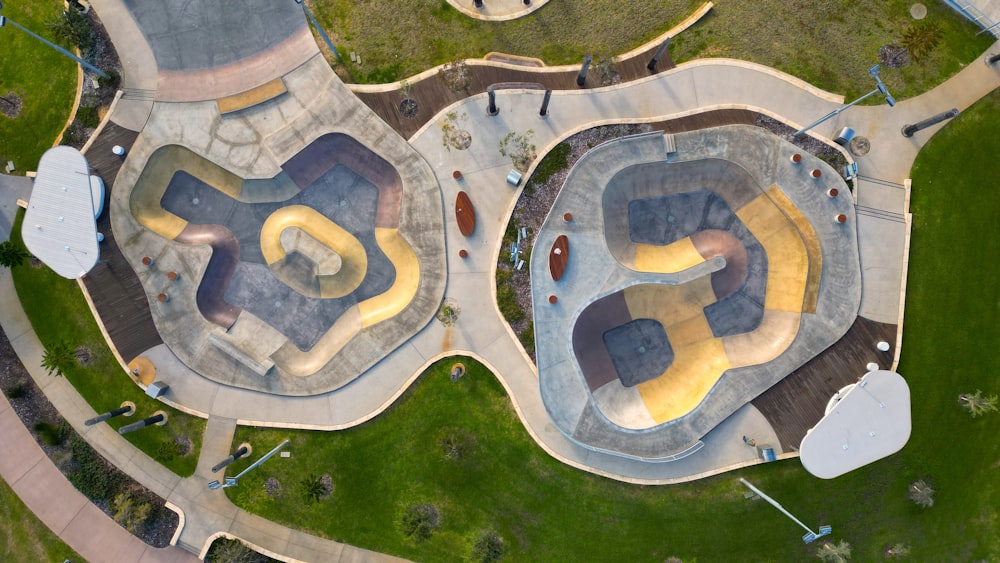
32,407
537,198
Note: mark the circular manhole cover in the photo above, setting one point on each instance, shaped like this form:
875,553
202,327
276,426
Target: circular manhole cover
860,146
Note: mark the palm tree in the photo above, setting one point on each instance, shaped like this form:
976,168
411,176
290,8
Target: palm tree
11,254
58,358
922,493
977,403
834,552
897,551
920,39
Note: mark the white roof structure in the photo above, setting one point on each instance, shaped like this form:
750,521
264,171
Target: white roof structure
59,226
871,420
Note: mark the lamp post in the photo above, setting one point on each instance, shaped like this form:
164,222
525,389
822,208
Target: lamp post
233,481
4,20
879,89
319,28
810,535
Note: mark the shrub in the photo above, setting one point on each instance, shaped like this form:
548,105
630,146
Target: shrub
87,116
93,476
527,338
920,38
18,390
488,548
922,493
112,81
978,404
51,433
167,451
556,161
420,521
130,512
225,550
507,302
72,27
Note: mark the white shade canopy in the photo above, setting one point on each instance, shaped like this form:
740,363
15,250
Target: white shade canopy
871,421
59,226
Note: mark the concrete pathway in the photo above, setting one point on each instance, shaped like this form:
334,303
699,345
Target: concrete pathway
481,332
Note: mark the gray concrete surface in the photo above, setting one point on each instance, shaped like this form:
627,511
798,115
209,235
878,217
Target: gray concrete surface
211,33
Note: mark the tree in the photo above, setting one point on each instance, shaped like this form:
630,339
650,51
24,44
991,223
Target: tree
452,134
488,548
12,254
519,149
73,28
57,359
457,76
920,38
834,552
978,404
420,520
922,493
897,551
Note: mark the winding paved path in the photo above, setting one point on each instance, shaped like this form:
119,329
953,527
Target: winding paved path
691,87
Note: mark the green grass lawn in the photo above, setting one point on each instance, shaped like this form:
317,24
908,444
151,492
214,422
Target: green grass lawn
828,43
44,79
59,313
547,511
23,537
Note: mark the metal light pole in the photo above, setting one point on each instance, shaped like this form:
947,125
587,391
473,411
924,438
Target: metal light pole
811,535
4,20
322,33
233,481
879,89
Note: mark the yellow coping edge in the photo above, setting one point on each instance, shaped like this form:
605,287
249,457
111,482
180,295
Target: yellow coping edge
672,258
786,253
144,201
813,249
252,97
307,362
354,263
397,297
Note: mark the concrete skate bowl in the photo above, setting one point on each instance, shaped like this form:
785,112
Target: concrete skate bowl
651,353
316,253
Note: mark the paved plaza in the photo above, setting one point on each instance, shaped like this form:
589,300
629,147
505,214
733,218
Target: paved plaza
312,246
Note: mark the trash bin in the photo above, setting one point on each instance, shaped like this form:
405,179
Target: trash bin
845,136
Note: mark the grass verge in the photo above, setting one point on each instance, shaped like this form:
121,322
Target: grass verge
23,537
828,43
547,511
59,314
47,96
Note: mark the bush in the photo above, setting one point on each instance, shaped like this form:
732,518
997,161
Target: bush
922,493
87,116
112,81
420,521
12,254
527,338
556,161
167,451
130,512
18,390
507,302
51,433
73,28
225,550
488,548
93,477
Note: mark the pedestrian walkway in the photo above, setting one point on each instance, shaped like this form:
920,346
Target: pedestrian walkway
481,332
76,520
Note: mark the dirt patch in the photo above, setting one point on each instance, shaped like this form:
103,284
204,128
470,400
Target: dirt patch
10,105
